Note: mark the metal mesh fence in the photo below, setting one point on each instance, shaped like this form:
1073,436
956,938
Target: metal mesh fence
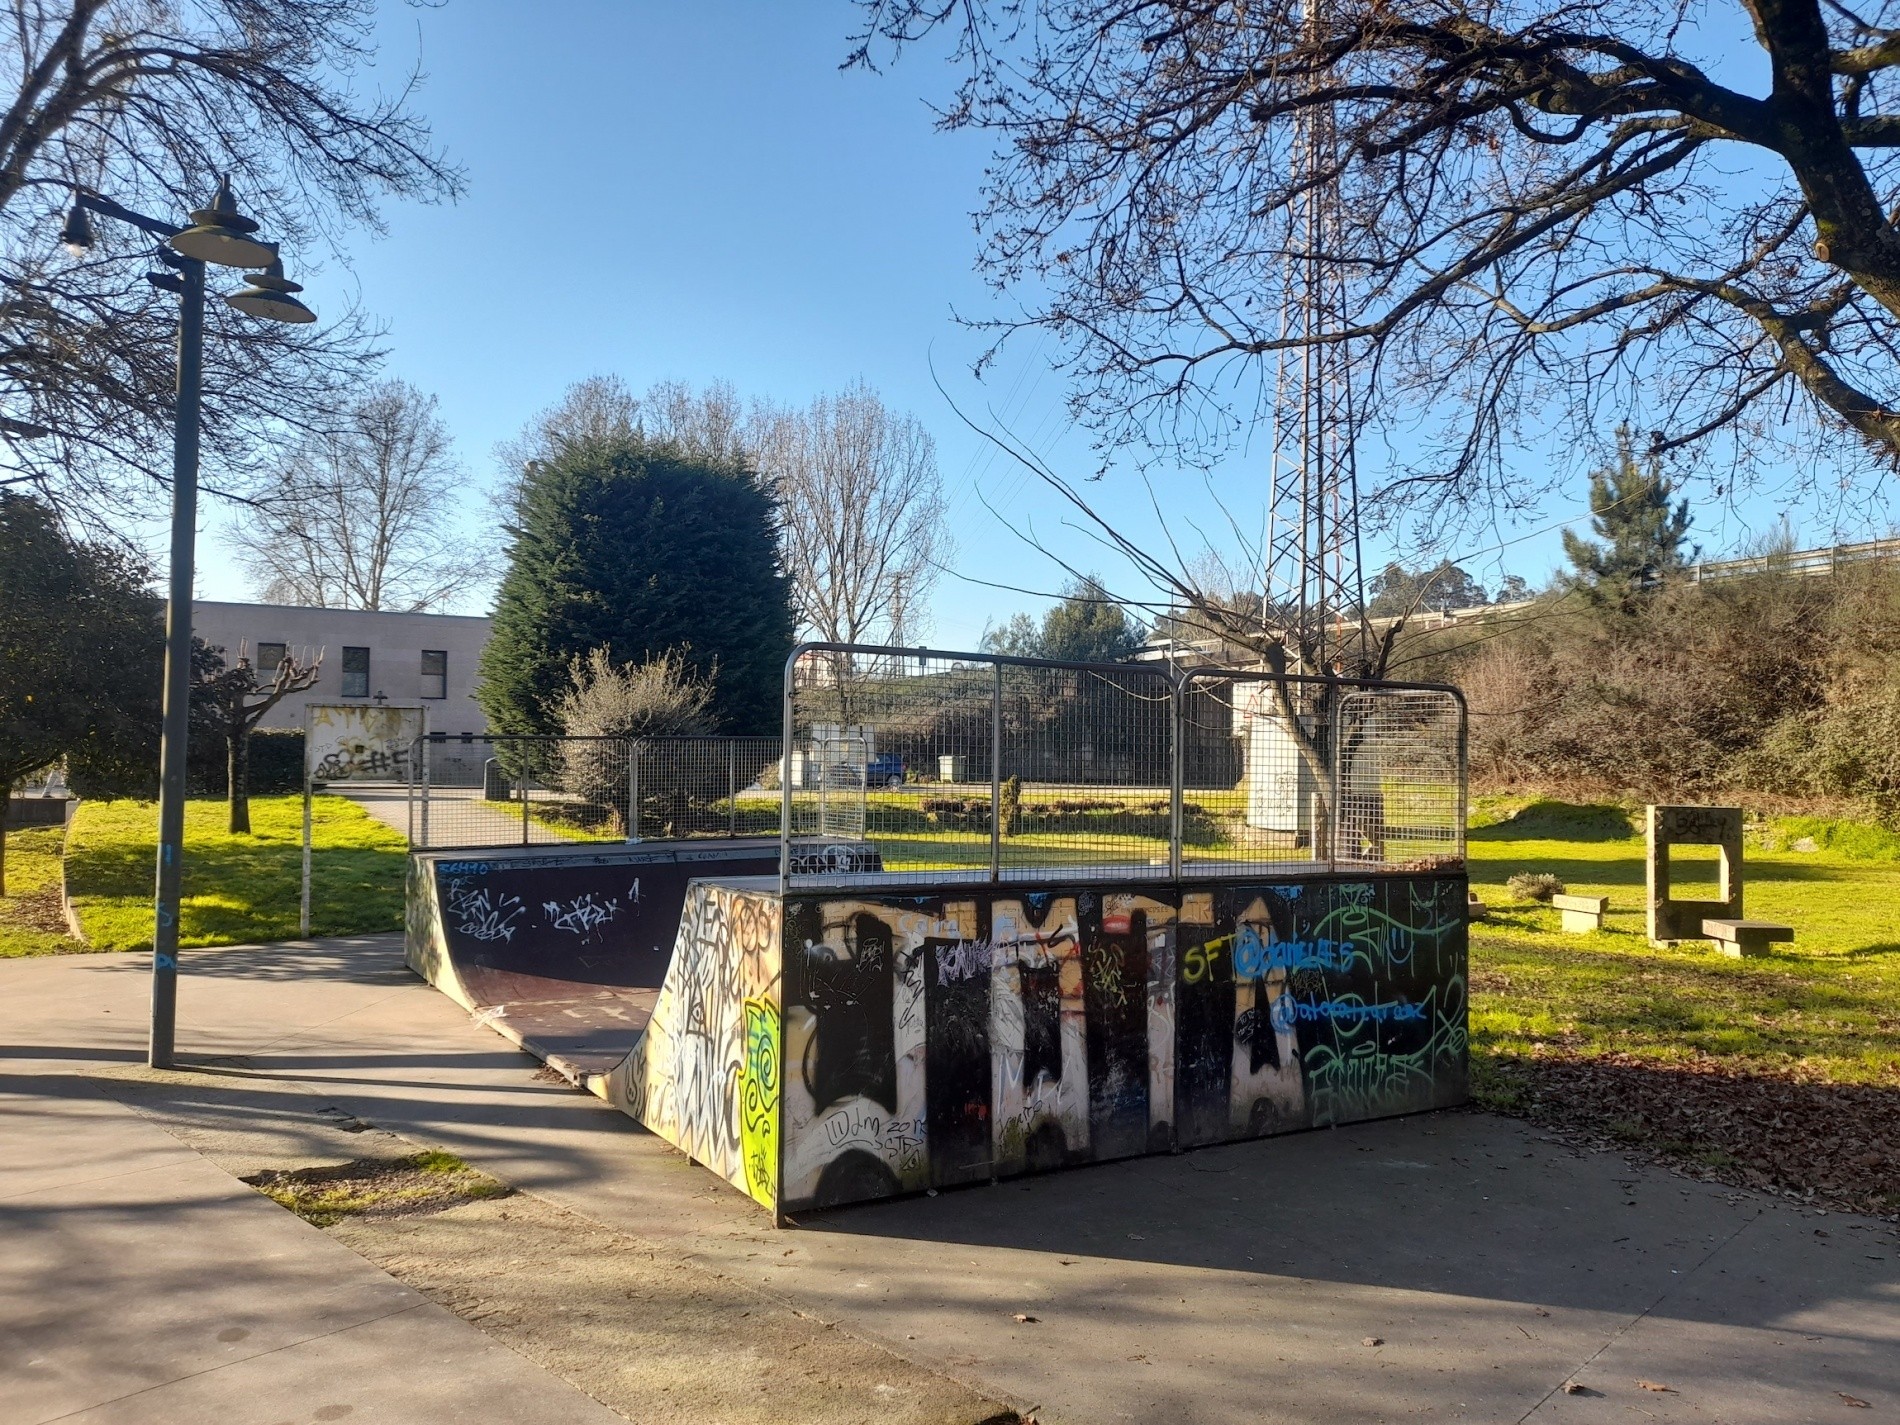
541,791
1399,766
474,790
996,766
705,786
1308,771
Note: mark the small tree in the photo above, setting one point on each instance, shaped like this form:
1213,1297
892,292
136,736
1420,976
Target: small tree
625,702
1643,536
236,699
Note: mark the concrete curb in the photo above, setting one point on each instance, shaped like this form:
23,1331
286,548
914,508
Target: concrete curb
66,907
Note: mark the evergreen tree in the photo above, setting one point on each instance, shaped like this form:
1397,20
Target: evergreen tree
1088,626
1396,590
80,642
1644,537
639,548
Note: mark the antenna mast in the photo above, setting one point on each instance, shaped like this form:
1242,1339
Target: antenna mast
1314,583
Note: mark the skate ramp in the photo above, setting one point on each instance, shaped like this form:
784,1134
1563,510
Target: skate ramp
562,951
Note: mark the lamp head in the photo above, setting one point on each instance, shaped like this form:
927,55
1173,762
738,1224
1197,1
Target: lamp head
75,235
222,235
270,296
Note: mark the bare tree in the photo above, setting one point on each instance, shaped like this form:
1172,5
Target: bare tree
862,510
236,699
363,517
709,422
146,102
1547,215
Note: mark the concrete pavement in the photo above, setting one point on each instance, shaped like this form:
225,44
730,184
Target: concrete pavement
1489,1266
141,1283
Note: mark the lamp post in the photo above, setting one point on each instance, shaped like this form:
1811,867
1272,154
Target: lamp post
218,234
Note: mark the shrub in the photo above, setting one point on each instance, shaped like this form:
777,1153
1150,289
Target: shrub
661,697
1534,886
1010,808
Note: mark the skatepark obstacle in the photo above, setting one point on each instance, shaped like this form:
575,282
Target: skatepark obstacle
940,998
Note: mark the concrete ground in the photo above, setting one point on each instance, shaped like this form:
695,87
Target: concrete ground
1456,1266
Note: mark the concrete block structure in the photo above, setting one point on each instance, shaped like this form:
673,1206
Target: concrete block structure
1671,919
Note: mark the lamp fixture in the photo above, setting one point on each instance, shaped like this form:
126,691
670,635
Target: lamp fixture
269,296
75,235
222,235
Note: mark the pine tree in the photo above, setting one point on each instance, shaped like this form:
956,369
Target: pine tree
1644,536
639,548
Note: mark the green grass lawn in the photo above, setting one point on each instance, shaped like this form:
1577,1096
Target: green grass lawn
237,889
31,922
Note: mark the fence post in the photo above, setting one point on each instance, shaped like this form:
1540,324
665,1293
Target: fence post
789,712
732,789
524,796
633,791
423,778
1177,701
415,756
996,774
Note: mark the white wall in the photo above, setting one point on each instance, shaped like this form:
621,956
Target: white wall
395,642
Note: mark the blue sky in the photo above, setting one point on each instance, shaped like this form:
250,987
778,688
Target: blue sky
696,192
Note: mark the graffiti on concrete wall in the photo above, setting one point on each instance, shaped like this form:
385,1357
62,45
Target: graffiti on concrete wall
705,1074
839,1046
937,1040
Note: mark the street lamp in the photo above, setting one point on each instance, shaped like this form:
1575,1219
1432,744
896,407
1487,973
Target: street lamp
221,235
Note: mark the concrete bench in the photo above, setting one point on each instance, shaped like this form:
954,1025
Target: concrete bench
1582,913
1738,938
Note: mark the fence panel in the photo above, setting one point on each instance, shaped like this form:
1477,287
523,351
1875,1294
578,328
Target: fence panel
705,786
485,790
1000,767
1400,771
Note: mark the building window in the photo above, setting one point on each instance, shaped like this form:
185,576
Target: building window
356,672
435,673
269,655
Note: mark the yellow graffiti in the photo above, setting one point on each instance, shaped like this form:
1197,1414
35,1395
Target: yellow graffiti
759,1100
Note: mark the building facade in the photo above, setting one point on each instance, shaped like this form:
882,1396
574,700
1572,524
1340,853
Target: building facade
424,659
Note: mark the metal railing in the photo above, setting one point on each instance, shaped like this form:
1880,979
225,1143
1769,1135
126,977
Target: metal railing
1000,768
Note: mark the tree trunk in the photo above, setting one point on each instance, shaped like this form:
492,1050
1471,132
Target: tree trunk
238,781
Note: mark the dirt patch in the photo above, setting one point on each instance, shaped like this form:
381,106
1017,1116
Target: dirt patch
39,909
413,1185
659,1339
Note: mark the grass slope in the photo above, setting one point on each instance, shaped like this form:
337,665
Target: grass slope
238,889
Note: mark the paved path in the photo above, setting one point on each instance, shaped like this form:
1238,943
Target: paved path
140,1283
1489,1266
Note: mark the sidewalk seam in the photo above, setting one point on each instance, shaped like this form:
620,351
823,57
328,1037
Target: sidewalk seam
1641,1316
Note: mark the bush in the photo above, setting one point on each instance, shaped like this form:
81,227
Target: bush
661,697
1010,804
1534,886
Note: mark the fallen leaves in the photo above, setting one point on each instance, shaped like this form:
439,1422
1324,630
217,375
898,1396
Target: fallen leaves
1853,1400
1024,1316
1656,1386
1373,1341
